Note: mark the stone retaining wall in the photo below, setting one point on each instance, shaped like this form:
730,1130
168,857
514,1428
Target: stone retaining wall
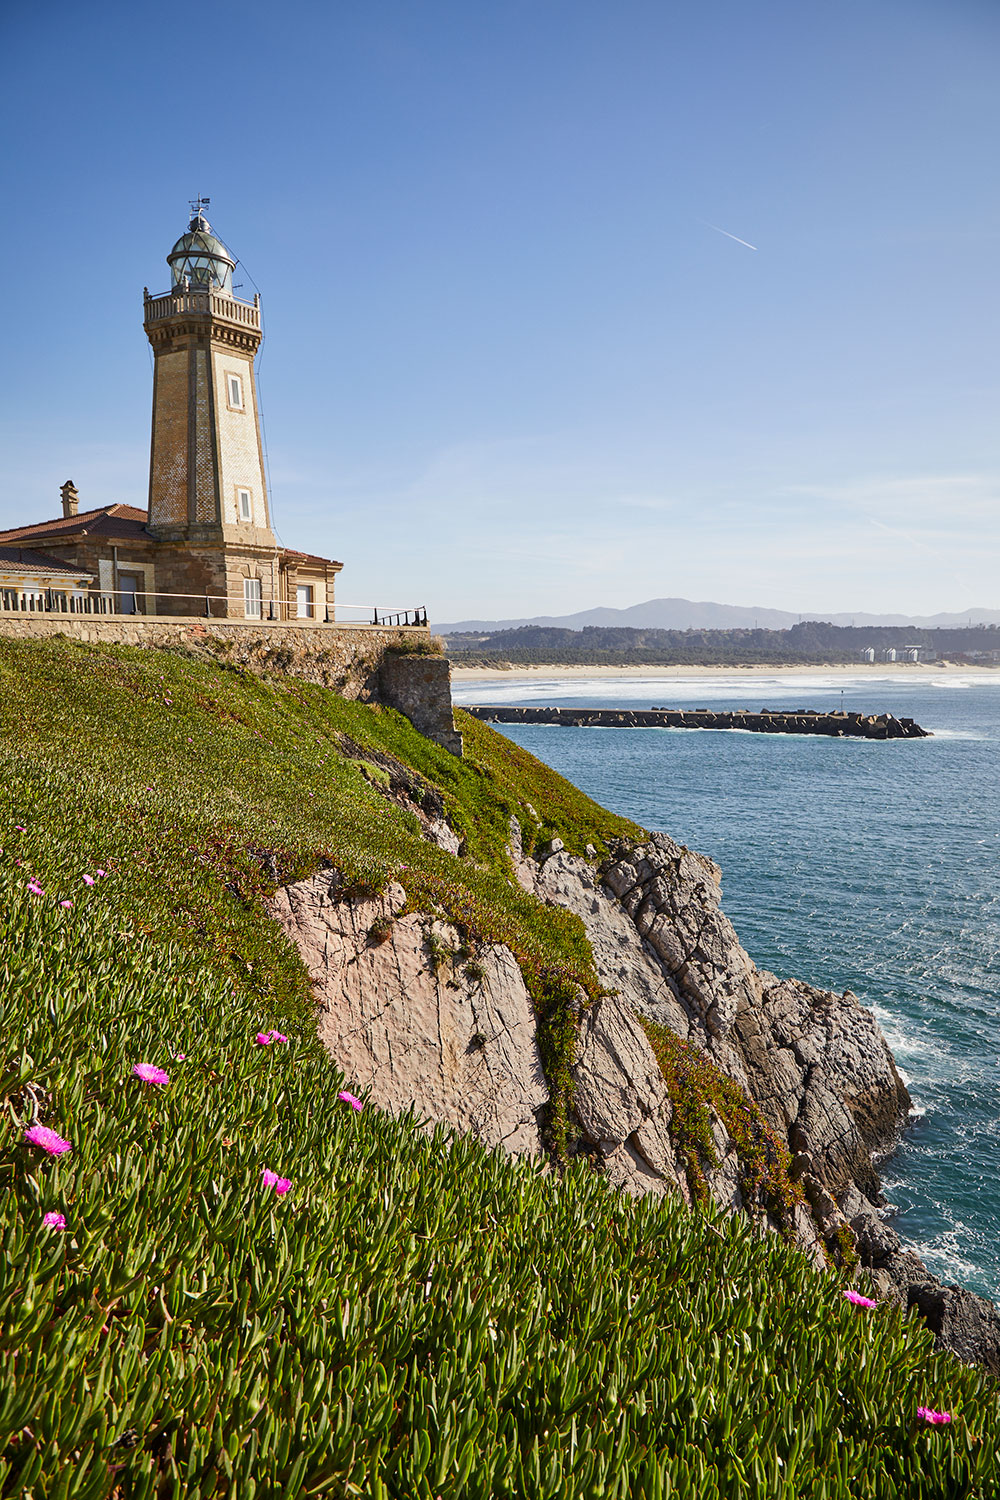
375,663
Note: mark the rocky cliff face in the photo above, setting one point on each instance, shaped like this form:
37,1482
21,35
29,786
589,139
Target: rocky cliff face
799,1094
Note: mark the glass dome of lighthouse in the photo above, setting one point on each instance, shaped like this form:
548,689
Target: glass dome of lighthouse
199,259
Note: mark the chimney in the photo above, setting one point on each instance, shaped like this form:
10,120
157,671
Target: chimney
70,499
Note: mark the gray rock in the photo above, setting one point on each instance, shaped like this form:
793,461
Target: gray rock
621,1100
617,1080
458,1047
966,1324
623,962
438,832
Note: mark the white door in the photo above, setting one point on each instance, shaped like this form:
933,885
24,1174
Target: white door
304,601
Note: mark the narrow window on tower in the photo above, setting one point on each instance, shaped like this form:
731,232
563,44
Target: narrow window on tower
235,392
245,506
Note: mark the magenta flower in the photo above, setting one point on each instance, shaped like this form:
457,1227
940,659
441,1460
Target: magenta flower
860,1301
934,1417
179,1056
20,828
41,1135
65,903
100,874
35,888
88,880
265,1038
272,1180
54,1221
350,1099
149,1074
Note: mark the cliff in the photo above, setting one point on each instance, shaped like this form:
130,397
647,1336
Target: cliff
690,1073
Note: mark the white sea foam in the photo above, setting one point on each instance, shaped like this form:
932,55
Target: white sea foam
946,1254
905,1042
753,689
960,734
753,692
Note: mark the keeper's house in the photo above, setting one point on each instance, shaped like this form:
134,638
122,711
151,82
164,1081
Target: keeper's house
205,545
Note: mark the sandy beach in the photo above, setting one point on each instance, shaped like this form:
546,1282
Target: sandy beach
846,669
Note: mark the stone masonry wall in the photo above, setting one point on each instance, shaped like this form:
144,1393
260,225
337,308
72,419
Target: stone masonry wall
345,658
420,687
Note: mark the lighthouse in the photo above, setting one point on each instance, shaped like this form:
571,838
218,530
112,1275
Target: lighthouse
205,548
207,484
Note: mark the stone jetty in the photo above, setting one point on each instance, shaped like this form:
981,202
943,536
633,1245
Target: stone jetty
798,721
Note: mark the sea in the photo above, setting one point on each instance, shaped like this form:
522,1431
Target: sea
860,864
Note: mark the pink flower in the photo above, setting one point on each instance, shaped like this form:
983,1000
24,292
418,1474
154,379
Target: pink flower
20,828
860,1301
54,1221
35,888
41,1135
149,1074
350,1099
272,1180
265,1038
65,903
934,1417
101,874
179,1056
88,880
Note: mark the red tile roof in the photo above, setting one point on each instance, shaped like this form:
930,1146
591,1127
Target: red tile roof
123,521
109,520
22,560
310,557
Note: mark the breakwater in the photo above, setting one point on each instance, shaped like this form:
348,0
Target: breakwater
798,721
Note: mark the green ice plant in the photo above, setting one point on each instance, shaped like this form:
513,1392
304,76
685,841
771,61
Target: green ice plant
224,1272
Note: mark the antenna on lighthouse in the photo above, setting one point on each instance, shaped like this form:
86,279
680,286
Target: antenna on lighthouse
197,204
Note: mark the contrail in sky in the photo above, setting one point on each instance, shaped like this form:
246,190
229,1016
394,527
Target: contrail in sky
727,234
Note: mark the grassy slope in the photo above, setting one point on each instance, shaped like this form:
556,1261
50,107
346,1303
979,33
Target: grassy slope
414,1319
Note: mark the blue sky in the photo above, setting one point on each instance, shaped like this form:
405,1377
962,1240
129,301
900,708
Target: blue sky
509,367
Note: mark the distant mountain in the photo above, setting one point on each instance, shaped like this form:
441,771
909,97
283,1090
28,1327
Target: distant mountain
684,614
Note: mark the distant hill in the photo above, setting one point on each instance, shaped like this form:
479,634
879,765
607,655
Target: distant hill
809,642
685,614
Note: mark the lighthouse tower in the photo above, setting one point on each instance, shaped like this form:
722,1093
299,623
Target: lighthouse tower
207,490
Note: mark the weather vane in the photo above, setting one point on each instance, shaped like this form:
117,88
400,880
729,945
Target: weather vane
197,204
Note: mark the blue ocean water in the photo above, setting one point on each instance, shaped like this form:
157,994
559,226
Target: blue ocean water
869,865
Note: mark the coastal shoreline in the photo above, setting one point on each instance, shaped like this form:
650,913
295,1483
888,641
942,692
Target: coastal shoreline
913,670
